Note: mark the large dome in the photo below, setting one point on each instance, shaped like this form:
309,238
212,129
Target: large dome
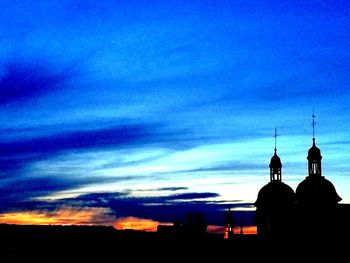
275,194
316,190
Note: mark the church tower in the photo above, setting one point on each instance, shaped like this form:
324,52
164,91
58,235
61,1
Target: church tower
274,203
314,155
316,197
275,165
316,190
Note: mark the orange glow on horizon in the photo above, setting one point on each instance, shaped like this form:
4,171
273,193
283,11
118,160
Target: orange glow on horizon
247,230
216,229
61,216
97,216
136,223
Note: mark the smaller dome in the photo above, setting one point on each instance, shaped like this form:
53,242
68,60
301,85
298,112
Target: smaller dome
317,190
275,161
275,193
314,152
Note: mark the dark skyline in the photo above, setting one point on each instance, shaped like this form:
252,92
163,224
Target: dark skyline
131,113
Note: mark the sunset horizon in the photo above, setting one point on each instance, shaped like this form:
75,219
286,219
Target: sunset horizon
135,114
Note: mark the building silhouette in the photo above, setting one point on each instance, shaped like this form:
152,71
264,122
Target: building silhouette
275,202
317,200
194,227
312,213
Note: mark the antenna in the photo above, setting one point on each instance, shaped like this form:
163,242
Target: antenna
313,124
275,139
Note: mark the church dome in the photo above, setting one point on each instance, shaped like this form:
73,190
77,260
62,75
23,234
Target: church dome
275,193
317,190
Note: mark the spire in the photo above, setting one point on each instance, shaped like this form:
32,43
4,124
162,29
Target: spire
314,155
313,126
275,164
275,140
229,225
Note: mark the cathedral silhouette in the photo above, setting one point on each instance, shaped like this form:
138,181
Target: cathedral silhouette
311,212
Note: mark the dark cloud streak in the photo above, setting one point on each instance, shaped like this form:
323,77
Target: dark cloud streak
21,81
191,196
172,188
81,139
162,208
16,154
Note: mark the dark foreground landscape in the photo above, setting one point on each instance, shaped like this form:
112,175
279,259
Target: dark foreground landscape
106,244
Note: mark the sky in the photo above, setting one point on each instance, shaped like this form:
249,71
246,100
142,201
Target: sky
136,113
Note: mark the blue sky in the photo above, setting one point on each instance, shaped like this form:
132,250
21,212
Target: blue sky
153,109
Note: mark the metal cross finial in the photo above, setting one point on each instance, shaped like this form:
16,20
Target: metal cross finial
313,124
275,139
